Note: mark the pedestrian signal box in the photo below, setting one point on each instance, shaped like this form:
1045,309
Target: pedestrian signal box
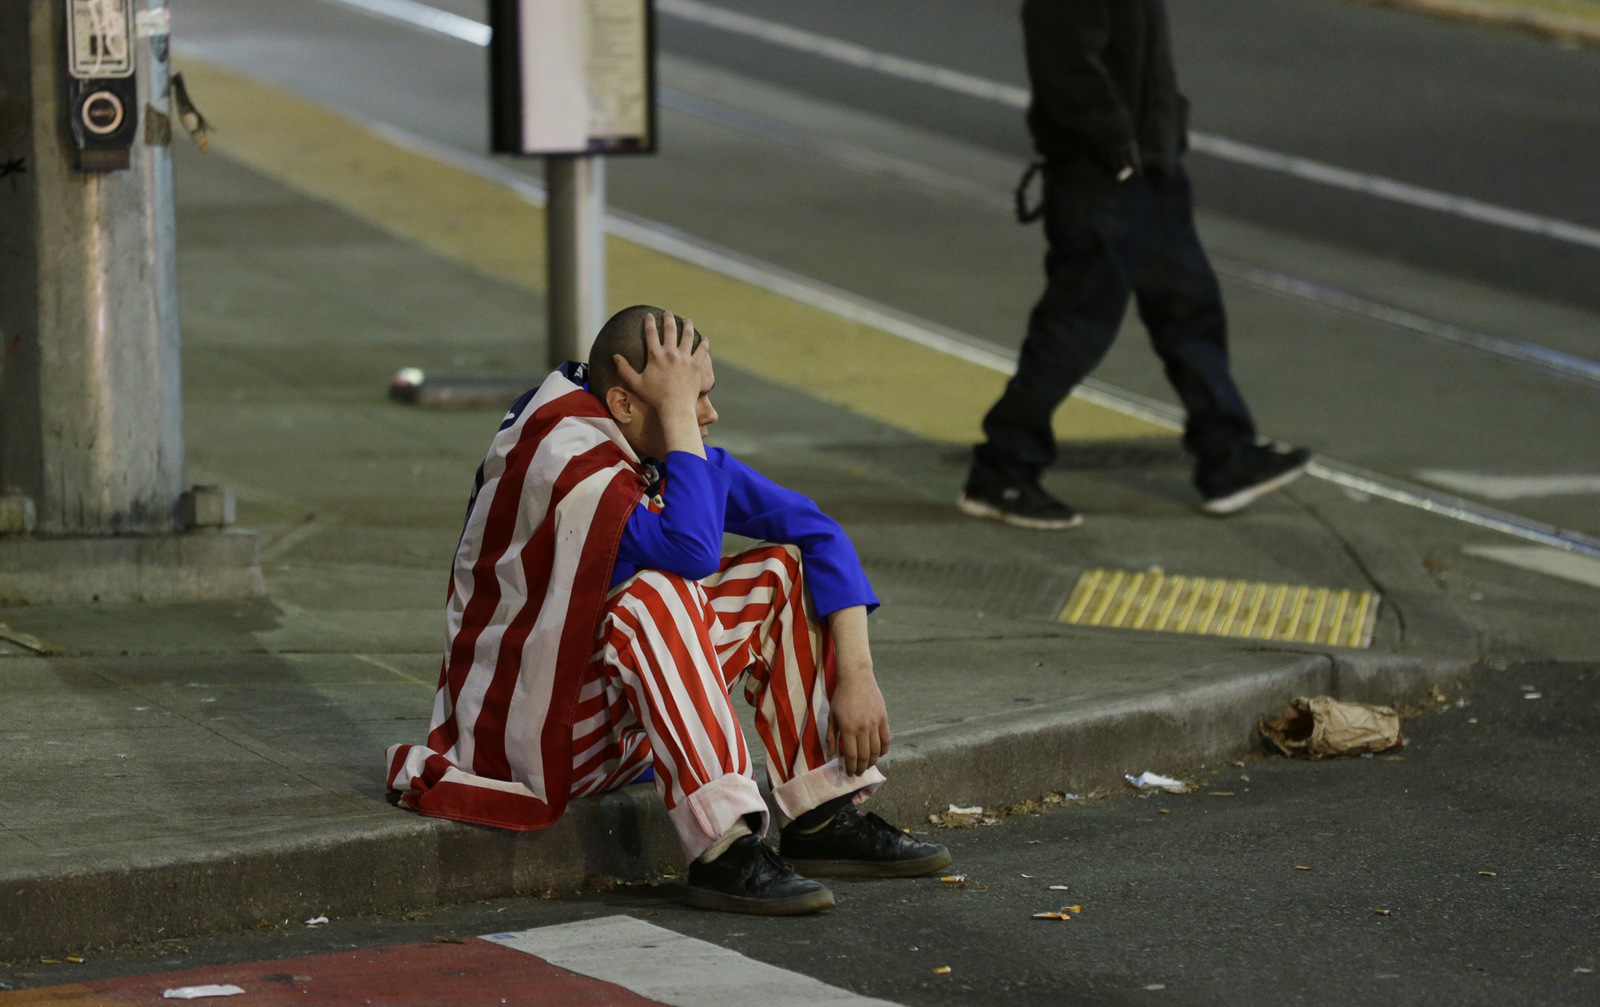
572,76
102,96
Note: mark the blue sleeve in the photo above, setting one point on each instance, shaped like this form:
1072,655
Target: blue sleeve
685,538
759,508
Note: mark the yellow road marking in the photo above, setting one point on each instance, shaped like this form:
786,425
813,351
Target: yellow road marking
489,227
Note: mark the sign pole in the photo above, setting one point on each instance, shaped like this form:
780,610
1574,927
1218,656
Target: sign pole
575,254
572,81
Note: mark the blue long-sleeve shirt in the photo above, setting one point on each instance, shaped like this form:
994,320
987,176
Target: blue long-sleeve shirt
704,497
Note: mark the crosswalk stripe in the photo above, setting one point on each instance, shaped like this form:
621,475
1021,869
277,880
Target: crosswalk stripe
1541,559
666,966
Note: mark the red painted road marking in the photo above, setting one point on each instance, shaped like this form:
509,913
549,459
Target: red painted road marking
407,975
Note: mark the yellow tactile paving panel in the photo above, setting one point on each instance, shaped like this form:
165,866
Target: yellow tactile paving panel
455,213
1253,610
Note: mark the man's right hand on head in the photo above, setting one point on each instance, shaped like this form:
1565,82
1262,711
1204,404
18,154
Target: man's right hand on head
670,382
671,376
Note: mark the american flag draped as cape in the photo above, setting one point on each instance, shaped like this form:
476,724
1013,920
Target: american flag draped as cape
530,577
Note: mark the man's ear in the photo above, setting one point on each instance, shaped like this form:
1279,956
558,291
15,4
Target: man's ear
619,404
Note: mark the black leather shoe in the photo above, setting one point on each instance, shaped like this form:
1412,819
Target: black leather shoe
853,845
750,878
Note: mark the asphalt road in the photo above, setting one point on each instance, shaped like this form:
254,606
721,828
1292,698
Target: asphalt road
1479,840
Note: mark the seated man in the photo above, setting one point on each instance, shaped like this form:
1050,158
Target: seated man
595,630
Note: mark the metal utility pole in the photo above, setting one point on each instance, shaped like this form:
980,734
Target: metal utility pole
91,416
91,412
575,253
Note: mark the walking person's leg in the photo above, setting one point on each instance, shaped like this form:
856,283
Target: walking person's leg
1180,303
1091,226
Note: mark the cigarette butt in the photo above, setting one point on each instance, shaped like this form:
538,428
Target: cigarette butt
941,970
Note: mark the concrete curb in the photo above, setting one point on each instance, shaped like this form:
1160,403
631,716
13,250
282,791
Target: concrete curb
1542,22
68,570
399,861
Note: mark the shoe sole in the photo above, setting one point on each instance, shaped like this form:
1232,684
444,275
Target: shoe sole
977,508
793,905
1250,494
873,868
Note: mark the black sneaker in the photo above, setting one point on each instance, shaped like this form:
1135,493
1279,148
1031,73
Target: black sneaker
1025,504
749,878
1249,473
853,845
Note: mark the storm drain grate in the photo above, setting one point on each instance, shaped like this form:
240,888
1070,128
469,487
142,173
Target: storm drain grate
1252,610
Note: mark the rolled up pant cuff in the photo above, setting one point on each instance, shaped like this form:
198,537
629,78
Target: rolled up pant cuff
812,789
712,809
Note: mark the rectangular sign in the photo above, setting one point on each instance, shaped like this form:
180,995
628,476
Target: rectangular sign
100,39
572,76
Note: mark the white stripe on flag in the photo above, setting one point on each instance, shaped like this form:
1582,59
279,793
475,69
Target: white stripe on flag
667,967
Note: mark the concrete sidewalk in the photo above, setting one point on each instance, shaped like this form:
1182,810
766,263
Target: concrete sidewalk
176,769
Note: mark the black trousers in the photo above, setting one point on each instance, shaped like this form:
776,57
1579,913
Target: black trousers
1109,240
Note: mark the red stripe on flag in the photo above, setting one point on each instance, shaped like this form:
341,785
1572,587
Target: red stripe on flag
475,972
538,566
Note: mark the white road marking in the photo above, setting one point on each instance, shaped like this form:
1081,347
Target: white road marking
423,16
1496,487
664,965
1542,559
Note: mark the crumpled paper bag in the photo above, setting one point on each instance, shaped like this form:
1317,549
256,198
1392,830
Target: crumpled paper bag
1322,726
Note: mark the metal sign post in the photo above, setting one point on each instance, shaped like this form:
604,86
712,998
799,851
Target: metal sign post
573,80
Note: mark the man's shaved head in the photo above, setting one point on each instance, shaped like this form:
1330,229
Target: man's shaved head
623,334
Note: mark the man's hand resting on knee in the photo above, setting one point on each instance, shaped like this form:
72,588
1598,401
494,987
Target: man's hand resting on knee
858,728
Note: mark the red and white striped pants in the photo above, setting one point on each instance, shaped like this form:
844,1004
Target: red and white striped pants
657,690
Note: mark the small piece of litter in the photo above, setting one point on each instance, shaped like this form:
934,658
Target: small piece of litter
196,992
1155,986
1582,971
942,970
1222,793
1155,781
1050,916
1472,720
1533,695
1163,811
1035,842
1244,778
316,921
1058,888
1381,912
1072,909
1240,763
953,879
976,809
74,959
1488,874
1029,876
1300,867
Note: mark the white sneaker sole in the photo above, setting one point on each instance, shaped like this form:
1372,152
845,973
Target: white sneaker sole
1250,494
977,508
